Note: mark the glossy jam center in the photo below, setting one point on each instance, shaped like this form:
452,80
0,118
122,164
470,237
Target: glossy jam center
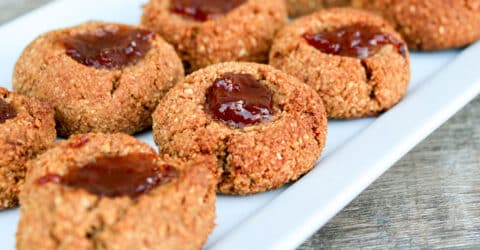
6,111
239,100
130,175
203,10
357,40
109,49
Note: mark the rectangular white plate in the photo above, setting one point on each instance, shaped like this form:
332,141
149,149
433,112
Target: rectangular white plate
357,151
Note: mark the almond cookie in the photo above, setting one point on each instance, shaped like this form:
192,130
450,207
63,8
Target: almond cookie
99,77
27,128
430,24
355,60
264,128
303,7
205,32
99,191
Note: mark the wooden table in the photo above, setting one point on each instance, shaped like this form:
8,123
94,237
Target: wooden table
429,199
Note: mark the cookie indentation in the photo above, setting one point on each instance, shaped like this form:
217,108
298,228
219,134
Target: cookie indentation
356,40
203,10
7,111
240,100
130,175
109,48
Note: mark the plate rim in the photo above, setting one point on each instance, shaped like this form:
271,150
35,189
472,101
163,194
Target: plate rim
291,234
289,238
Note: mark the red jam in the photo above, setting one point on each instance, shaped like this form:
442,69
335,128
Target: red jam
109,49
240,100
358,40
203,10
6,111
130,175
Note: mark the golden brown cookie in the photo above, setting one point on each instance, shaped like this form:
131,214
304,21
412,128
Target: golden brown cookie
430,24
264,128
303,7
99,191
27,128
332,51
99,77
205,32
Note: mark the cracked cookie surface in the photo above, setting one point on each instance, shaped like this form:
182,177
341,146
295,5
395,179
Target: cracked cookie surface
90,99
430,24
27,128
350,87
178,214
302,7
244,33
254,158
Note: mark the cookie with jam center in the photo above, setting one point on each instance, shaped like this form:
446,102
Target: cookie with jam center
206,32
430,24
303,7
99,77
261,126
111,191
27,129
355,60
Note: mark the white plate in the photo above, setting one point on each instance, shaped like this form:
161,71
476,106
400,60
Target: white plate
357,151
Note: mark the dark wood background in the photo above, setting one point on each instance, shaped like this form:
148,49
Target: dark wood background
429,199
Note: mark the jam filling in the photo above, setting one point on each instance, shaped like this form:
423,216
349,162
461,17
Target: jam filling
358,40
6,111
130,175
109,49
203,10
239,100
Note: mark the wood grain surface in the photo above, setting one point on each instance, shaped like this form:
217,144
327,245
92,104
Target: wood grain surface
429,199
